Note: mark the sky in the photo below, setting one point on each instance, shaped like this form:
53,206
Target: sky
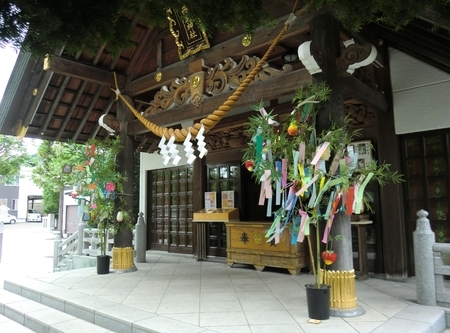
7,60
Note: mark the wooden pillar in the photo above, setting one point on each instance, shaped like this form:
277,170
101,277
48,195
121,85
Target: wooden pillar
125,166
392,216
198,200
325,33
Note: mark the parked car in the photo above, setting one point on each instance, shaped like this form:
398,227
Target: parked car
33,216
8,219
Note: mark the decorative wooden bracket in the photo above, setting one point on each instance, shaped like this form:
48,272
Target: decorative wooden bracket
311,57
355,56
209,81
110,123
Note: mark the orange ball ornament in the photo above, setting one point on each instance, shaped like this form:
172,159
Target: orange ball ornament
292,129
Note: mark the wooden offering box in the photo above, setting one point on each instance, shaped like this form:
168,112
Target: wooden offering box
247,244
204,216
216,215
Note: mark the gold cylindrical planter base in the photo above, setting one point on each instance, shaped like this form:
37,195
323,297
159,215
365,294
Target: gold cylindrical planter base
343,289
122,257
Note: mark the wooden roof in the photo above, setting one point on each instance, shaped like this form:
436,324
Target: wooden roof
65,101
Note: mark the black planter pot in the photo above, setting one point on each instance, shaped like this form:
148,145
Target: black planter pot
103,264
318,300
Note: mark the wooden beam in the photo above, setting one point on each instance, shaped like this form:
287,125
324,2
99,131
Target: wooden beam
71,110
272,88
141,53
356,89
55,102
216,54
83,72
87,113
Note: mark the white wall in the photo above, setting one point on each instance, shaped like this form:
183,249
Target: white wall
421,94
26,188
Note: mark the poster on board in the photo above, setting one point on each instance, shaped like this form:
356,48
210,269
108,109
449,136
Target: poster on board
210,200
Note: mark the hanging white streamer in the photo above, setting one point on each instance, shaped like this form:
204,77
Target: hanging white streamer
173,151
163,150
201,142
188,149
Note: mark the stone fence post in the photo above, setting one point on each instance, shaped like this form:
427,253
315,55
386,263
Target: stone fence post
424,239
140,242
56,255
81,227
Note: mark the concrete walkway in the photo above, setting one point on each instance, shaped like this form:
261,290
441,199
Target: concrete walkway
172,293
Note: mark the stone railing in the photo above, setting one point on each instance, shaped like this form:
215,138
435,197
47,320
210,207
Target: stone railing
63,248
89,245
86,242
441,251
431,264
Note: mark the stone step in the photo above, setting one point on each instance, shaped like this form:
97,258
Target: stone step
10,326
20,314
113,316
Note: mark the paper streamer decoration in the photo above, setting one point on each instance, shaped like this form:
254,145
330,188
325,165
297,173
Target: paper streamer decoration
270,121
173,151
278,192
278,232
188,149
278,183
307,185
359,194
284,163
319,153
304,226
302,150
349,200
266,187
295,229
201,142
163,150
269,207
295,157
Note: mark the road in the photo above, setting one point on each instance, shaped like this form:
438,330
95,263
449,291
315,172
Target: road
27,250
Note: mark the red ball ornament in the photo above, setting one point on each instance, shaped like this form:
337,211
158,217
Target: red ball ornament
329,257
110,186
249,165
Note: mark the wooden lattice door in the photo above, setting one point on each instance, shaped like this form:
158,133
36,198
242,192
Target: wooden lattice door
170,209
426,159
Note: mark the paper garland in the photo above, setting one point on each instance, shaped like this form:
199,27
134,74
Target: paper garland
170,151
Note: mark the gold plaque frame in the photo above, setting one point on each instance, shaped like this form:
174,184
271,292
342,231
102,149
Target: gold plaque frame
189,38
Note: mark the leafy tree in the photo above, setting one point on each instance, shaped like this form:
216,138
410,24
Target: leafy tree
51,200
85,168
394,13
48,173
13,155
44,26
